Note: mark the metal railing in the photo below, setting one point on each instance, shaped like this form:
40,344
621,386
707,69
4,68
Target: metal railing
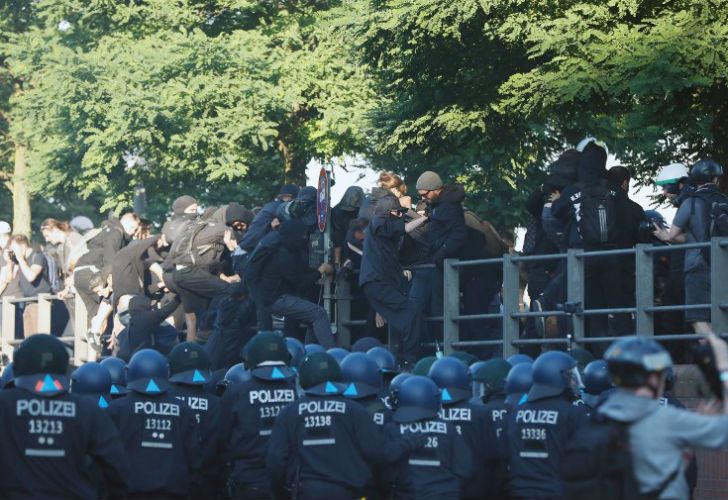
81,350
644,309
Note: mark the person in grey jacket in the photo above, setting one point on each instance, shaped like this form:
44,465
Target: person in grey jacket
660,434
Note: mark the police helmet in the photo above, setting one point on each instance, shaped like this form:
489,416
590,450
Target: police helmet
338,353
582,357
92,379
519,358
632,359
492,374
40,364
311,348
189,364
296,350
319,374
362,376
452,377
518,382
117,369
705,171
7,377
422,367
394,386
237,374
383,357
147,372
418,399
364,344
474,367
596,377
267,356
553,373
465,357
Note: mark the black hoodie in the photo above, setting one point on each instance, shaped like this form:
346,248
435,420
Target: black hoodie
446,230
287,272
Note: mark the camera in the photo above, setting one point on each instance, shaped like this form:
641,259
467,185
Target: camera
13,258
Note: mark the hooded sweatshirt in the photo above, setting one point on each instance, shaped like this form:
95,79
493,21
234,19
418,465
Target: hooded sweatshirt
446,230
659,435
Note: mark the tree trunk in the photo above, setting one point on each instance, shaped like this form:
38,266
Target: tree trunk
21,196
294,165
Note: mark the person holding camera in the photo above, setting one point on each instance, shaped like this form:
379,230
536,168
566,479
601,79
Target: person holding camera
32,278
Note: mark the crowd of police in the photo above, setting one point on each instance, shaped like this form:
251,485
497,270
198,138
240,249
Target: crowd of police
295,421
188,401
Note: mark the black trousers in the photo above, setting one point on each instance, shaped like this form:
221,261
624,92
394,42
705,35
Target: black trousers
196,287
402,314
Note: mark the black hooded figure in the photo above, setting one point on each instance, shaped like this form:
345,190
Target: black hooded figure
145,327
382,277
341,217
285,278
601,274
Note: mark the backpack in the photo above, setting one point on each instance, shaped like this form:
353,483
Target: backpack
82,248
596,215
52,275
597,464
184,250
716,206
494,245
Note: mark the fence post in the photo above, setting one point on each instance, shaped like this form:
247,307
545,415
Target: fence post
8,326
44,313
343,311
511,305
718,286
80,346
645,290
450,326
575,289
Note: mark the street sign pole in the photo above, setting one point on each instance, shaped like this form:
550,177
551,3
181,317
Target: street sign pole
323,210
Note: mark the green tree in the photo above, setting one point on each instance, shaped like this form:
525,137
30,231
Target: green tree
196,95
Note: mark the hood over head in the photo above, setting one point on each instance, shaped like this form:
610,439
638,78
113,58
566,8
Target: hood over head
352,199
237,213
592,164
387,204
182,203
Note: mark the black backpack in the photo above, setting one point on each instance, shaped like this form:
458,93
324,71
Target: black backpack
597,464
184,250
716,207
596,215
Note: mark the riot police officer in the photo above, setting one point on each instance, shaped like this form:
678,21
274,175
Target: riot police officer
326,443
160,434
518,383
189,372
93,381
597,382
437,470
251,404
492,375
117,370
6,378
48,434
363,380
539,429
470,420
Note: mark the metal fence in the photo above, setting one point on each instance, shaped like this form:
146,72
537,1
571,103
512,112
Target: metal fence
511,315
8,341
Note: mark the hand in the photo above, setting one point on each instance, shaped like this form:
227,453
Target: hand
275,224
63,293
554,196
326,268
379,321
407,275
720,351
662,234
229,240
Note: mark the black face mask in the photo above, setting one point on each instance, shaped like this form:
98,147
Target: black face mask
125,318
238,235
